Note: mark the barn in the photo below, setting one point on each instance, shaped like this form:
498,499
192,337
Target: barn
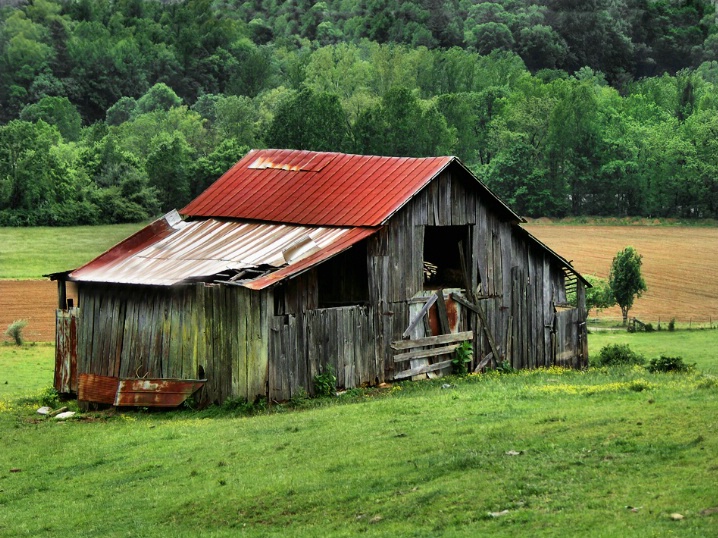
297,263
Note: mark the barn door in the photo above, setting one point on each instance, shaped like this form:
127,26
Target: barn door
66,351
567,343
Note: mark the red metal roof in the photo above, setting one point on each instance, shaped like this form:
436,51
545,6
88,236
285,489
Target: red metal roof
316,188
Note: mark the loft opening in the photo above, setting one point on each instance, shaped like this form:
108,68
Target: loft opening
442,263
344,280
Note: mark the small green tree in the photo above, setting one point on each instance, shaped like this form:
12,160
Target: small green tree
625,279
599,295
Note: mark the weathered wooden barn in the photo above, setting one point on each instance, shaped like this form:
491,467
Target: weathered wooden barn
294,261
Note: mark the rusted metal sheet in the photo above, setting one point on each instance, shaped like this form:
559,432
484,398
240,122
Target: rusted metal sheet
66,351
97,388
156,392
316,188
184,251
136,392
453,313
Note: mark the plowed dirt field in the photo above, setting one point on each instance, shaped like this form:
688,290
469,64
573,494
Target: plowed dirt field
680,265
31,300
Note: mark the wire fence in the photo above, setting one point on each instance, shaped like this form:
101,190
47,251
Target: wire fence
657,324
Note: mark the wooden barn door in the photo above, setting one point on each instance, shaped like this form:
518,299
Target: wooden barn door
567,345
66,351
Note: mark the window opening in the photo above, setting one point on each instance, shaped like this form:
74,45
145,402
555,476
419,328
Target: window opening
442,263
343,280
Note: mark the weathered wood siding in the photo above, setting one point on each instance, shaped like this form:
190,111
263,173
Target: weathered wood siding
185,332
66,351
519,282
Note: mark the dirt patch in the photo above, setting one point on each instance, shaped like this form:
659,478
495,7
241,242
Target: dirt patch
678,265
34,301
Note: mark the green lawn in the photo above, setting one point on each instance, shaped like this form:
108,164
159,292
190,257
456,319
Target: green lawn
694,346
31,252
25,370
597,453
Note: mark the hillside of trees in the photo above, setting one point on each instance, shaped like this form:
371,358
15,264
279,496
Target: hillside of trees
118,111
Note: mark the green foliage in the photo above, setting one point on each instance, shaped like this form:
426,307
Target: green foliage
626,280
309,120
15,329
599,295
462,358
325,383
618,355
606,108
57,111
49,397
504,367
672,325
669,364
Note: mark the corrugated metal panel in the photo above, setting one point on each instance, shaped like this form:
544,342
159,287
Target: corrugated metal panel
316,188
155,392
198,250
97,388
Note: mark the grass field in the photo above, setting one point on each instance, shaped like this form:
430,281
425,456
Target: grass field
27,253
553,453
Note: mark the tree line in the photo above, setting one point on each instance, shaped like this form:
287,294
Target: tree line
116,111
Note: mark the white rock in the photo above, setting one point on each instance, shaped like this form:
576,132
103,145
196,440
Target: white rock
45,410
66,414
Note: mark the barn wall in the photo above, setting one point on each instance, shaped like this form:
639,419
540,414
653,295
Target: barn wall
183,332
518,282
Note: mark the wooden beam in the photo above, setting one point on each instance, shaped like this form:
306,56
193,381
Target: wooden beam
422,369
423,353
484,326
420,315
433,340
61,294
484,362
443,314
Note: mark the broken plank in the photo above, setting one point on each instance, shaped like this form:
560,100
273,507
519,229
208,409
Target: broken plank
484,362
443,314
423,353
419,316
422,369
433,340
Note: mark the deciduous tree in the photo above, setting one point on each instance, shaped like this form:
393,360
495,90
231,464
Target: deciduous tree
625,279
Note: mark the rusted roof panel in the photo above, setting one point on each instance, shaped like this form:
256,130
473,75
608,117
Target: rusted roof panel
178,251
316,188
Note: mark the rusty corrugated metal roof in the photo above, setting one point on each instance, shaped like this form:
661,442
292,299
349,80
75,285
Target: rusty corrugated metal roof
170,251
316,188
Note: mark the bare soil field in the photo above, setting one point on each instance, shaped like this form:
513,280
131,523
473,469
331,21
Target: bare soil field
31,300
680,265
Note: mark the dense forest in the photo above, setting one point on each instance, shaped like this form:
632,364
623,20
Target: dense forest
114,111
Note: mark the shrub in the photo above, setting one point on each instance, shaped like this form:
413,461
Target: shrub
325,382
672,324
618,355
49,397
669,364
462,358
648,327
504,367
14,330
